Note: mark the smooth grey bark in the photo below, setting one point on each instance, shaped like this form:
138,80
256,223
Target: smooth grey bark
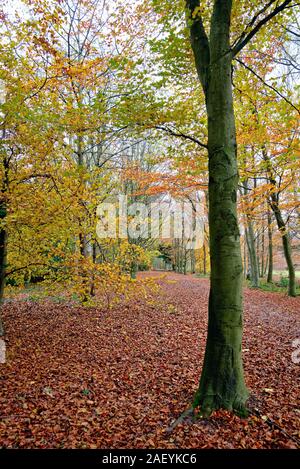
257,251
245,258
262,263
222,381
94,257
3,256
250,239
192,261
251,245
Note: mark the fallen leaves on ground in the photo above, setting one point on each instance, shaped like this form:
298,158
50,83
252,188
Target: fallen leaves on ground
86,378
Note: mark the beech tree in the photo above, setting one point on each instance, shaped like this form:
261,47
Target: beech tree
222,382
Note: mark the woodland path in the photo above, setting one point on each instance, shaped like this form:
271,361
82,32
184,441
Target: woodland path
85,378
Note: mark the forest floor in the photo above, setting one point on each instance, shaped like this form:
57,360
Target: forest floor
86,378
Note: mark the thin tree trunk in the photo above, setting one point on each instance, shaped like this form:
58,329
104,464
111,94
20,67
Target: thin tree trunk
254,274
282,226
222,381
251,245
244,256
94,257
3,235
193,261
176,255
3,255
86,290
287,249
262,264
184,260
257,246
266,264
270,248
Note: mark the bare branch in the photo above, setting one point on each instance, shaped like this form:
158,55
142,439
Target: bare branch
33,264
245,38
268,85
182,135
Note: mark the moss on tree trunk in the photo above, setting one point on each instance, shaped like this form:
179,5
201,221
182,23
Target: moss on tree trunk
222,381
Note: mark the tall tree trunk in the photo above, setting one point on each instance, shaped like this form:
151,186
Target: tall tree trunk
3,234
254,274
222,381
270,248
245,256
262,263
3,251
257,244
281,224
193,261
184,267
94,257
82,237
